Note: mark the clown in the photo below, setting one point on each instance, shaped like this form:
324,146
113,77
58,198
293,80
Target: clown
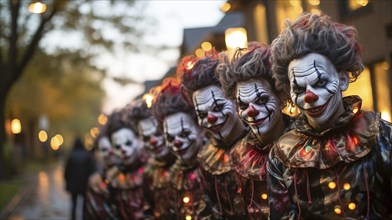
248,80
217,115
336,162
97,196
184,138
156,175
128,185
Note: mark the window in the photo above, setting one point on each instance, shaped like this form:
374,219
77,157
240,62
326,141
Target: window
260,18
382,90
376,97
363,88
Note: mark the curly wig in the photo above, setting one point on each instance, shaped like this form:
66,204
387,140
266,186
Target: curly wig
170,101
251,63
119,118
139,110
312,33
102,133
199,75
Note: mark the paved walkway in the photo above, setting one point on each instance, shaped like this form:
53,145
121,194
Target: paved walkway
44,197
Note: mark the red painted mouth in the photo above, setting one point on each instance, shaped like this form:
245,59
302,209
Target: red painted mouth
317,111
257,122
217,128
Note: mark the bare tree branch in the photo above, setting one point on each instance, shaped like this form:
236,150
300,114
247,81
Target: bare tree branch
32,46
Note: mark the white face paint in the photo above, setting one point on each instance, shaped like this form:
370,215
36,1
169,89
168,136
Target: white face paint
214,111
105,151
258,106
127,145
316,88
152,138
182,135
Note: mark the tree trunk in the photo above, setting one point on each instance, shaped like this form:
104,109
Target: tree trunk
3,135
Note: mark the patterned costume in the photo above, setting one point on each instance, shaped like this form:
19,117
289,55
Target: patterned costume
157,180
98,202
342,173
221,180
187,192
128,192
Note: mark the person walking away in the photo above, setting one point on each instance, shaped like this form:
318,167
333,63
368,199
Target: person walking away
78,167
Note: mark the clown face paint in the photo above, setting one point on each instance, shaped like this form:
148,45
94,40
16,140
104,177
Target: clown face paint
258,106
152,138
214,111
105,152
182,135
316,88
127,145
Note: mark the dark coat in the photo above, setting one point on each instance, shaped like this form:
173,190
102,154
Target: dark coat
78,167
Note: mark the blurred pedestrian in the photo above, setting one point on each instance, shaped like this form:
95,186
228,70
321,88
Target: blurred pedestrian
78,167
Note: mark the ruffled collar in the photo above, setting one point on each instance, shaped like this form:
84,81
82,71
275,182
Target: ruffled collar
184,178
352,136
158,171
250,158
215,158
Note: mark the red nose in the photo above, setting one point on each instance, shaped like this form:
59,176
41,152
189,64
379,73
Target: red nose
153,141
177,143
211,118
252,111
310,97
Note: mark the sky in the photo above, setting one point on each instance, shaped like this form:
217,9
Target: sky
172,17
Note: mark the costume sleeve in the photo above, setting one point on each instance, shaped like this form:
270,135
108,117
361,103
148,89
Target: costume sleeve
280,203
385,149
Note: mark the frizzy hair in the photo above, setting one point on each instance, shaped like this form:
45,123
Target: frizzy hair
170,101
251,63
139,110
312,33
118,119
200,75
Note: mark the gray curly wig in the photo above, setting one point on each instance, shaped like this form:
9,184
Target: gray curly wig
312,33
251,63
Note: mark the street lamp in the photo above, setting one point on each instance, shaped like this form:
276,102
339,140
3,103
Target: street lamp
236,37
37,7
16,126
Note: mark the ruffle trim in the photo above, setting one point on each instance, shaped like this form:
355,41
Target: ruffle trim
215,160
249,161
345,142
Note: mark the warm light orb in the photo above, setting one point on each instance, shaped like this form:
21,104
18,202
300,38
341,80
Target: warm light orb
186,199
346,186
352,206
264,196
37,7
362,2
332,185
314,2
148,98
16,126
337,210
206,46
225,7
102,119
355,110
42,136
188,217
199,53
56,141
94,132
189,65
236,38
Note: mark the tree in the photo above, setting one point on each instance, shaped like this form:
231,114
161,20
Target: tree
22,33
63,88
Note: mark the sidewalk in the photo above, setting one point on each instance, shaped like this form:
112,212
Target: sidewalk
42,197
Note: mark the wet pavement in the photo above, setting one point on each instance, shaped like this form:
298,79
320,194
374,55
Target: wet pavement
44,197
